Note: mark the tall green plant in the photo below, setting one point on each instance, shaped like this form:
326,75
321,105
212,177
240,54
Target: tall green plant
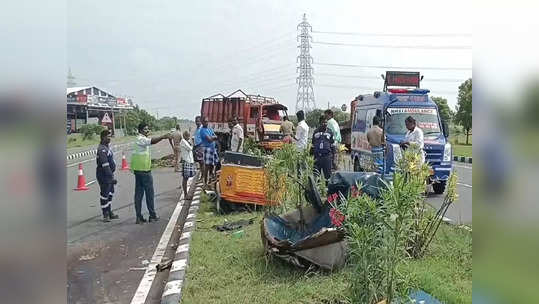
287,171
379,232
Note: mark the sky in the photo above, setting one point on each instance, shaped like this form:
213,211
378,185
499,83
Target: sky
168,55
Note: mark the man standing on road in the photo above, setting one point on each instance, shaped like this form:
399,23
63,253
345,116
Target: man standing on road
141,164
188,164
413,136
375,137
175,143
198,149
302,131
333,125
211,158
104,173
287,127
323,148
236,143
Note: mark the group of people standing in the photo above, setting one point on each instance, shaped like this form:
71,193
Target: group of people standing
202,149
325,140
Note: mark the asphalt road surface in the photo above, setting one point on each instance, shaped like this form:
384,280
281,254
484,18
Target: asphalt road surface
460,213
105,259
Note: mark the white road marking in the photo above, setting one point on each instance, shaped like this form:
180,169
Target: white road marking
465,167
90,182
146,283
465,185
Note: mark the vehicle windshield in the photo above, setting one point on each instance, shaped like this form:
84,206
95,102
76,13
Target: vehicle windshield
426,119
269,113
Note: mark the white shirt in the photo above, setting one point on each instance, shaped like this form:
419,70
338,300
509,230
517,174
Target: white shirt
237,134
416,137
186,151
302,134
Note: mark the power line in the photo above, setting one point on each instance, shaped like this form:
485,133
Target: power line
428,47
378,78
372,89
395,35
392,67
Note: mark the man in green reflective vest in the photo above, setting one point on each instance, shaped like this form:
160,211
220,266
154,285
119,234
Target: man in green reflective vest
141,164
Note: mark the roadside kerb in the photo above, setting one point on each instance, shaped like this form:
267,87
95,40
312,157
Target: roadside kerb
462,159
147,280
176,277
94,151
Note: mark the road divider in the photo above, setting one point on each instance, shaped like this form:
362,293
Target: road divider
176,278
462,159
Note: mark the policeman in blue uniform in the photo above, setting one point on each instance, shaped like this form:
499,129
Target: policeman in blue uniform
105,175
323,148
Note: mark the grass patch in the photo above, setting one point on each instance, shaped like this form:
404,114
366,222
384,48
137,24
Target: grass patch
462,150
223,269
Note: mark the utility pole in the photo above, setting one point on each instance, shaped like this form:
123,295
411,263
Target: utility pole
305,97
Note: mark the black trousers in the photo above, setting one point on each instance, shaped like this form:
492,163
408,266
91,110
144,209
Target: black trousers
323,164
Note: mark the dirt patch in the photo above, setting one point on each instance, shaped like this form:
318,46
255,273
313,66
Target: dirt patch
163,162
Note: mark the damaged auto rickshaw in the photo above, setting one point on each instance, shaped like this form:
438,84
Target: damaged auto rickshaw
307,236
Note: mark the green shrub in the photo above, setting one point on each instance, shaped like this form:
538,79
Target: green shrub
90,130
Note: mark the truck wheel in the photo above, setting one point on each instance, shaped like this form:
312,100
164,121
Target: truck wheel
439,188
357,167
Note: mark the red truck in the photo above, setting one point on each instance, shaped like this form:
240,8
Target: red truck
260,117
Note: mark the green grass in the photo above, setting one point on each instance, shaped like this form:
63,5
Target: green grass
224,269
462,150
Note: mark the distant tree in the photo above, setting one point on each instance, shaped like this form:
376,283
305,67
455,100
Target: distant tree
463,116
445,112
531,102
312,117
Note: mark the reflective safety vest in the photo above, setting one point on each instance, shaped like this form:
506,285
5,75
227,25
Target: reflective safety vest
140,158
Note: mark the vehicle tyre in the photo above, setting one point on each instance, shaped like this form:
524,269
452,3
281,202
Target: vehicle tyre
439,188
357,166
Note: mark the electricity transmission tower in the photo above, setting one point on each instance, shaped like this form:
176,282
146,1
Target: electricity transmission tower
70,79
305,98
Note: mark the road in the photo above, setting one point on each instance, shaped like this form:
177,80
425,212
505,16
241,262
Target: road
461,211
100,255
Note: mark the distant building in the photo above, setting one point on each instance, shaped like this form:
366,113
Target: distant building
90,104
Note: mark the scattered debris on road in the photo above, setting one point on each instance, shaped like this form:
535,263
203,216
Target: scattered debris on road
164,265
165,161
233,225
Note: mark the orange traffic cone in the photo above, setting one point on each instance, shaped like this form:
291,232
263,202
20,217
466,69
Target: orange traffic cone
125,166
81,183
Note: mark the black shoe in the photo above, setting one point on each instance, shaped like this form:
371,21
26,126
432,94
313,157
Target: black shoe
153,219
106,218
113,216
140,220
